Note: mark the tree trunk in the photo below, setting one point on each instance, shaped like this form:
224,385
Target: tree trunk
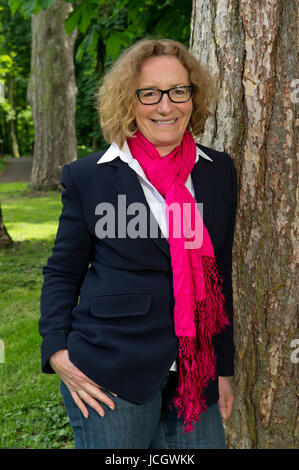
5,239
12,121
250,47
52,96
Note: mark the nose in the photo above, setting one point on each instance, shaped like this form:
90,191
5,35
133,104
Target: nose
165,106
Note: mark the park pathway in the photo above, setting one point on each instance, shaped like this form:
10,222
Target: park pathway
17,170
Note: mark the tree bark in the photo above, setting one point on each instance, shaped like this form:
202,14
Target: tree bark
5,239
52,96
250,47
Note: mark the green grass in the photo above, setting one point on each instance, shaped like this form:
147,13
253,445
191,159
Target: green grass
32,414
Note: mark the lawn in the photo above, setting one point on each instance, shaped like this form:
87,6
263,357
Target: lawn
32,414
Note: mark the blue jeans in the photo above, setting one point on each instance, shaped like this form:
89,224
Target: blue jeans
150,426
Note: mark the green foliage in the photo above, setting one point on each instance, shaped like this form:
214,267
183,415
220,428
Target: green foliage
80,17
15,40
122,22
29,7
87,80
25,130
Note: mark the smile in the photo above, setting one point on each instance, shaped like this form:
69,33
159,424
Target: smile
164,123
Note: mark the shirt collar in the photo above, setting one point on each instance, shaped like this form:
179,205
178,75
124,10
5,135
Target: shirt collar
125,154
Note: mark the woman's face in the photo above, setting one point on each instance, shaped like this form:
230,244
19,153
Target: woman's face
164,123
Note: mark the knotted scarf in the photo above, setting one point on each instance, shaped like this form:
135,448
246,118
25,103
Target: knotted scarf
199,311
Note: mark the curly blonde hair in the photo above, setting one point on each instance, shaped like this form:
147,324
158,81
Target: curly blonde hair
116,98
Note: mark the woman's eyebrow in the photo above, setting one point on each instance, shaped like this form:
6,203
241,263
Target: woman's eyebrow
171,86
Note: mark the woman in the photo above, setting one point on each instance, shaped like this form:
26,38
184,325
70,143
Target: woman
148,349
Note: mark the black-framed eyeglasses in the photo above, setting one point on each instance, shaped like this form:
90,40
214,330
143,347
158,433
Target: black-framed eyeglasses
177,94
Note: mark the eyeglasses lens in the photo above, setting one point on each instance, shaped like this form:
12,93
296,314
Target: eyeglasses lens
177,95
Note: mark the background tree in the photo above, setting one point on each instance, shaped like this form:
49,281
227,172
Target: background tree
251,49
5,239
52,95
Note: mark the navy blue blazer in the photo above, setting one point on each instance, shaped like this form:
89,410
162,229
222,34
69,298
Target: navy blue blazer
110,301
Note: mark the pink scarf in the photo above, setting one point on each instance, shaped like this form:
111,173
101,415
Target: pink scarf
199,303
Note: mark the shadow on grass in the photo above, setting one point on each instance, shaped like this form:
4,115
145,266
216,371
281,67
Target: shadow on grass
22,189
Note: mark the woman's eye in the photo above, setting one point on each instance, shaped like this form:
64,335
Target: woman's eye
149,94
179,92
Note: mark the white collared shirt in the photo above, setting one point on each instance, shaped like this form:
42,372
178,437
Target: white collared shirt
154,199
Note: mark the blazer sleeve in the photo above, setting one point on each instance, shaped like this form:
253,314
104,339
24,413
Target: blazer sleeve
64,272
224,341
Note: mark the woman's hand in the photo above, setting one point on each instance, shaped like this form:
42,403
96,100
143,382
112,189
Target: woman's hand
82,389
226,397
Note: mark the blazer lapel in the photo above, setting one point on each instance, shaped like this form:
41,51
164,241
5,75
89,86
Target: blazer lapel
203,192
126,183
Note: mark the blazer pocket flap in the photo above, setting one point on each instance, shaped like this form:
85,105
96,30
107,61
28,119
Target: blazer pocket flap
118,305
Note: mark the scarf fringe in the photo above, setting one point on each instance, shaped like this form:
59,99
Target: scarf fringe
196,358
